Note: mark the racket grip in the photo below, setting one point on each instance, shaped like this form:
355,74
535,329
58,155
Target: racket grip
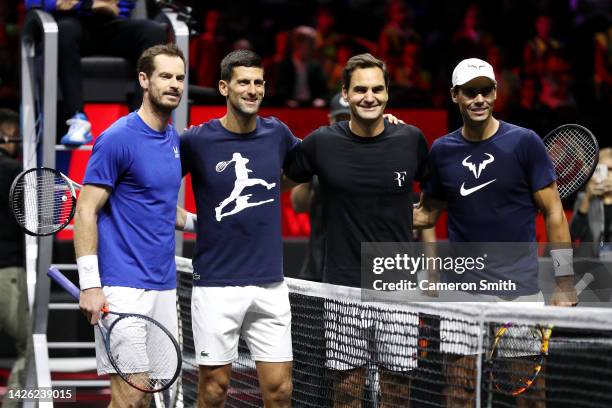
63,281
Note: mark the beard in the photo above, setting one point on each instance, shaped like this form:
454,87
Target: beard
244,109
158,103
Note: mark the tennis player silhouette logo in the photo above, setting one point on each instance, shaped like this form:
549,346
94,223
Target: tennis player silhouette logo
242,181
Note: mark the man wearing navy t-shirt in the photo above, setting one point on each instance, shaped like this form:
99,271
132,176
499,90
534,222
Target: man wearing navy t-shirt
493,177
126,213
235,164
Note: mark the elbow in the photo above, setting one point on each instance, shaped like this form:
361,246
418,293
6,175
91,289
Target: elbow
426,225
557,216
423,223
85,214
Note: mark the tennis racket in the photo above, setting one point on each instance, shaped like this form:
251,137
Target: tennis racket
142,351
574,152
222,165
518,352
43,200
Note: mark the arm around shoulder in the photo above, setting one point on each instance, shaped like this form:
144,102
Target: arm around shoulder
426,213
298,163
301,197
186,221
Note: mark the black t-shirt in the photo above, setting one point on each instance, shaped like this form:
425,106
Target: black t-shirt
312,269
366,189
11,237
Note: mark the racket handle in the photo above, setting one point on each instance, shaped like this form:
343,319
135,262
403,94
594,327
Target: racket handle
584,282
63,281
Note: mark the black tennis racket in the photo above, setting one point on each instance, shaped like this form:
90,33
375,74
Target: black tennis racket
574,152
43,200
518,352
142,351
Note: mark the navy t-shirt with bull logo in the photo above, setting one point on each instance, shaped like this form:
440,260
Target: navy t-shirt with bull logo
489,187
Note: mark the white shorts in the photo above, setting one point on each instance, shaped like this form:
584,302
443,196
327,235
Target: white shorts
461,336
158,305
358,333
260,313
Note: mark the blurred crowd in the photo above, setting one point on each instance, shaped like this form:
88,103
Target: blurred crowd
554,58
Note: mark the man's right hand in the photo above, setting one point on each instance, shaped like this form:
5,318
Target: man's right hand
92,301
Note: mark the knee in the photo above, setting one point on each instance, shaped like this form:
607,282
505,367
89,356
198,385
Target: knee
349,387
281,391
130,400
458,397
213,391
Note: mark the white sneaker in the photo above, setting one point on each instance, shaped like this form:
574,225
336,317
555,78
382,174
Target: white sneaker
79,132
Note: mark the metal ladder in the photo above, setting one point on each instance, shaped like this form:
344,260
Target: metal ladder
39,115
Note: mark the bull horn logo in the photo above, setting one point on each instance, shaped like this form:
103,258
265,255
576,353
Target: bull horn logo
481,166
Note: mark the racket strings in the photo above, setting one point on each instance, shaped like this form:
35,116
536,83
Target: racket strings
574,155
42,201
144,354
516,358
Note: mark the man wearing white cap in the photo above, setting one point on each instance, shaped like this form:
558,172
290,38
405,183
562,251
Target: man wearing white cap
493,177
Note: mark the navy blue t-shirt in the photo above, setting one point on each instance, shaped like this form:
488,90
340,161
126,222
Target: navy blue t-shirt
136,225
236,182
489,187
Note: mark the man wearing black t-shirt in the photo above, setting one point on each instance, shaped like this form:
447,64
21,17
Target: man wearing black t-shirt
365,168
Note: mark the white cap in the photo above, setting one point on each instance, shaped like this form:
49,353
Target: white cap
471,68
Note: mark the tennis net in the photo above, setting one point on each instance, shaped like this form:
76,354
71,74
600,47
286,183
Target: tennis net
423,354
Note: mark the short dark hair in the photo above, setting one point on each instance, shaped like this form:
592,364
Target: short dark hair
238,58
146,61
9,116
361,61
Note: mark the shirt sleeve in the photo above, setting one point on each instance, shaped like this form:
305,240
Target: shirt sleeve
109,159
422,173
432,186
185,140
289,139
538,166
298,165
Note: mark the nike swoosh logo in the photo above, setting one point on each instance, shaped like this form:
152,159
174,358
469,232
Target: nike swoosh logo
467,191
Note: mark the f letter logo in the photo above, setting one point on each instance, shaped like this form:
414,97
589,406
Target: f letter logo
400,176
